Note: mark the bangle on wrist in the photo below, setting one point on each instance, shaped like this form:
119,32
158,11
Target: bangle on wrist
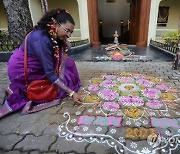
71,94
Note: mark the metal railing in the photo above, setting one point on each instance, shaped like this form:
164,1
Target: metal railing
170,49
79,42
7,45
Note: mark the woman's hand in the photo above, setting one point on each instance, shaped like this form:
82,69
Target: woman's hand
77,98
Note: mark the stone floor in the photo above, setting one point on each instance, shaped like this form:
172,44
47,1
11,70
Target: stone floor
151,53
57,129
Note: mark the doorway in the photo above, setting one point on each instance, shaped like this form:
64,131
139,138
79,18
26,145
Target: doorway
114,16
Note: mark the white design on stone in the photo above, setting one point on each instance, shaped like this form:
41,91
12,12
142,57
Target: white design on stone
63,133
70,135
91,138
85,129
128,122
98,111
138,124
119,114
152,113
90,110
98,129
163,139
133,145
78,112
171,145
145,150
177,113
113,131
76,127
167,114
121,139
102,138
178,130
168,133
73,120
145,122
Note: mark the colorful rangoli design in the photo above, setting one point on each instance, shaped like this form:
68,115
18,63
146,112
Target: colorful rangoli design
123,55
124,109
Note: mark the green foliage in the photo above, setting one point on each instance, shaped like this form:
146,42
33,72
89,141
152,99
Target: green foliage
171,38
4,35
6,44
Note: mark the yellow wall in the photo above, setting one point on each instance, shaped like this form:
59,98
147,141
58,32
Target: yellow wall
36,10
70,5
174,13
3,17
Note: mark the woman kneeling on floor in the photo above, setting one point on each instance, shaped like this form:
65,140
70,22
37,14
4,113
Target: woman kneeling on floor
42,57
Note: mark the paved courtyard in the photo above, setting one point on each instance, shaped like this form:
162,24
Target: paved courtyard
128,107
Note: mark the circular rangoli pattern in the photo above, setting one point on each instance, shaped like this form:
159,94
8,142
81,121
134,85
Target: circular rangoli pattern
124,110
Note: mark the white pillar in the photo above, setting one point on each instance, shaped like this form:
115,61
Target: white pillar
36,11
83,17
153,19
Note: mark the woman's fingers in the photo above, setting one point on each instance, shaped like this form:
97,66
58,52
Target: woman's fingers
80,98
79,102
77,99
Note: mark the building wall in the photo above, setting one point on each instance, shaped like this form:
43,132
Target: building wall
70,5
83,19
174,13
3,17
36,10
173,19
153,19
111,15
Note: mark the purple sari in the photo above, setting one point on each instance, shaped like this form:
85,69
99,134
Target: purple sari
18,96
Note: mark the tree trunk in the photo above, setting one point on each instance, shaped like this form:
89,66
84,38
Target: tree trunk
19,18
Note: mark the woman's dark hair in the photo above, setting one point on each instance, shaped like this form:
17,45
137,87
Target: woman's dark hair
60,15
